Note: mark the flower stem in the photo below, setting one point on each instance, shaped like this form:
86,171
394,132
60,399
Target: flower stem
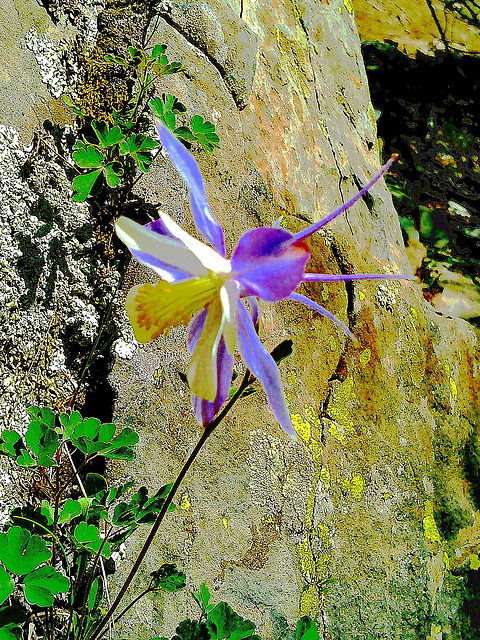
208,430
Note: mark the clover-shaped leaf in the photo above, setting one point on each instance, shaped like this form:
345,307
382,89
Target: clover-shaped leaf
88,536
192,630
91,437
6,585
204,132
21,552
42,584
43,441
87,156
168,578
306,629
223,623
10,617
87,184
141,509
113,173
69,422
158,50
139,147
107,137
11,443
71,509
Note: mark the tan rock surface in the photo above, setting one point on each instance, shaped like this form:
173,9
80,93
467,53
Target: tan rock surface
366,522
338,526
413,26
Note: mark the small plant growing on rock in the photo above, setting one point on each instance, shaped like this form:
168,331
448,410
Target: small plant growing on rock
112,154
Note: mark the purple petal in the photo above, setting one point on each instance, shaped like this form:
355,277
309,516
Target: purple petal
188,169
329,277
268,263
263,367
254,308
205,411
318,225
298,297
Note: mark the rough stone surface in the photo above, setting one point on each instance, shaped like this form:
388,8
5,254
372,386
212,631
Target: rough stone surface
413,25
369,522
346,524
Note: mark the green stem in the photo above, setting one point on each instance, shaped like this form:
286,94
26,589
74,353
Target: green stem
208,430
144,593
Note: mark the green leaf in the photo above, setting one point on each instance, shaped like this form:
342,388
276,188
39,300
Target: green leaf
192,630
138,147
306,629
47,511
282,350
11,632
42,584
95,593
224,623
88,536
204,132
203,598
141,509
11,443
71,509
10,618
86,155
69,102
117,492
26,460
6,585
87,184
168,578
169,120
163,68
95,484
113,173
158,50
185,133
21,552
29,518
107,137
43,441
92,437
116,60
69,423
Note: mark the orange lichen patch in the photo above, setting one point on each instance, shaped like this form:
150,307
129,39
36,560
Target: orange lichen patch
152,309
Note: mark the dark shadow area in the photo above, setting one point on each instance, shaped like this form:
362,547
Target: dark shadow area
427,110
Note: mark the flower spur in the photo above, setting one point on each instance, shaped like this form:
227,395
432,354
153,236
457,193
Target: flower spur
199,284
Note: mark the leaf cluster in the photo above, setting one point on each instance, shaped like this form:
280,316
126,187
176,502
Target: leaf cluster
57,544
221,622
112,154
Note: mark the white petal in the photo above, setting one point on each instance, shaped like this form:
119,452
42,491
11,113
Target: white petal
207,256
140,239
229,295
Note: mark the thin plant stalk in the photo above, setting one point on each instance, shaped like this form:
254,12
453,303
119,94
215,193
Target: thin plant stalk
208,430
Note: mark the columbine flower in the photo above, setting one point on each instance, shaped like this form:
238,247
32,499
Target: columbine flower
198,280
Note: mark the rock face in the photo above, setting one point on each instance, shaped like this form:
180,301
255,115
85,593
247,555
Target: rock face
362,523
368,523
423,26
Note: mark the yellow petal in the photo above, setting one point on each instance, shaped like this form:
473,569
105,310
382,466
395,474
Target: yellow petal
202,373
153,308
